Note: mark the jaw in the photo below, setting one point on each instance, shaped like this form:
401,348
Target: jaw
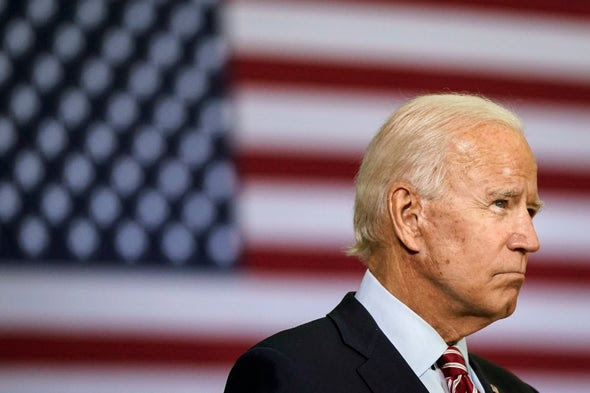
499,304
507,289
460,317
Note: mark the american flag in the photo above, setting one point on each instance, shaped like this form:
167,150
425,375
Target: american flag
176,176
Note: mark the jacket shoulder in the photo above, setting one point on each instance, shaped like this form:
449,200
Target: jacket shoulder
308,358
266,370
304,338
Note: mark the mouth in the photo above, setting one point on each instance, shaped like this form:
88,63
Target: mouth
511,278
511,273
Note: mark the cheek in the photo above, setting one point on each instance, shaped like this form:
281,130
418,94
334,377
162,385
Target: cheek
463,249
453,236
447,243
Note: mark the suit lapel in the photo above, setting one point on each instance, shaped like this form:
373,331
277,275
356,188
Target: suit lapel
488,388
385,371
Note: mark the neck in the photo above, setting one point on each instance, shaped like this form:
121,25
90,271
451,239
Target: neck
400,278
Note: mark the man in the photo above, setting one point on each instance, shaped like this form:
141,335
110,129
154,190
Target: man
445,198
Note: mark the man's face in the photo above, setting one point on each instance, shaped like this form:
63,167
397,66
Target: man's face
479,233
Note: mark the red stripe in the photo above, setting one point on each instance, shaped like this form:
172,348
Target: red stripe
557,270
296,166
392,78
282,260
87,349
567,182
579,9
58,348
536,361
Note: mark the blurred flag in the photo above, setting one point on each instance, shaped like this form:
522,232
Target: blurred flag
113,135
121,185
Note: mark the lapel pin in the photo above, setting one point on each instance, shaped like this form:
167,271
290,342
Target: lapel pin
494,388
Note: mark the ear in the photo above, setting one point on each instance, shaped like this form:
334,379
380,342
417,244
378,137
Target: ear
404,209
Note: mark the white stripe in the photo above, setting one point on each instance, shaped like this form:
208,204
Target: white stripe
340,123
501,43
454,350
312,120
563,226
559,135
249,307
455,383
454,365
320,216
112,379
549,382
281,213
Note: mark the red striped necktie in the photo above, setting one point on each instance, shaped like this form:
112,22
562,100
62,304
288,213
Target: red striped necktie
453,367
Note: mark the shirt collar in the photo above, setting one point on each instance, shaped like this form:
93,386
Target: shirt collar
418,343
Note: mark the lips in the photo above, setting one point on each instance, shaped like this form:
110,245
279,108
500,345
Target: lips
514,276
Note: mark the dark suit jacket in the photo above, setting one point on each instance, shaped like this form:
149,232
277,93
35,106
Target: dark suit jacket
343,352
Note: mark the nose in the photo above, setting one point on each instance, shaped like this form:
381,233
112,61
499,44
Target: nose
524,238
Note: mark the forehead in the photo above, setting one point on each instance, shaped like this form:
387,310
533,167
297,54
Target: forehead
492,152
489,144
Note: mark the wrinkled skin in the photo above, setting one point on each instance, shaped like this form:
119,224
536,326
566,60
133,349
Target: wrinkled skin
478,235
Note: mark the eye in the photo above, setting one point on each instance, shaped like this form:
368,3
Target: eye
532,212
501,203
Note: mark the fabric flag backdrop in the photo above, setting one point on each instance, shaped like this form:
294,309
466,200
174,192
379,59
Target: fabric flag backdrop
176,177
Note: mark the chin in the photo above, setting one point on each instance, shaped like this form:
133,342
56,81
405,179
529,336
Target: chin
508,308
505,303
500,307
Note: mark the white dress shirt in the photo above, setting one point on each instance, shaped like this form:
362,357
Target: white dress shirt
418,343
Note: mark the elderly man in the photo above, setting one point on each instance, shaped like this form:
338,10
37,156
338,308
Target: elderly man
445,199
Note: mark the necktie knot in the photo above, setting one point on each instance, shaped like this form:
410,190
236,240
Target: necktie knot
452,365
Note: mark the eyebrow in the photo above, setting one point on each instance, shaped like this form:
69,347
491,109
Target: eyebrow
537,204
504,194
